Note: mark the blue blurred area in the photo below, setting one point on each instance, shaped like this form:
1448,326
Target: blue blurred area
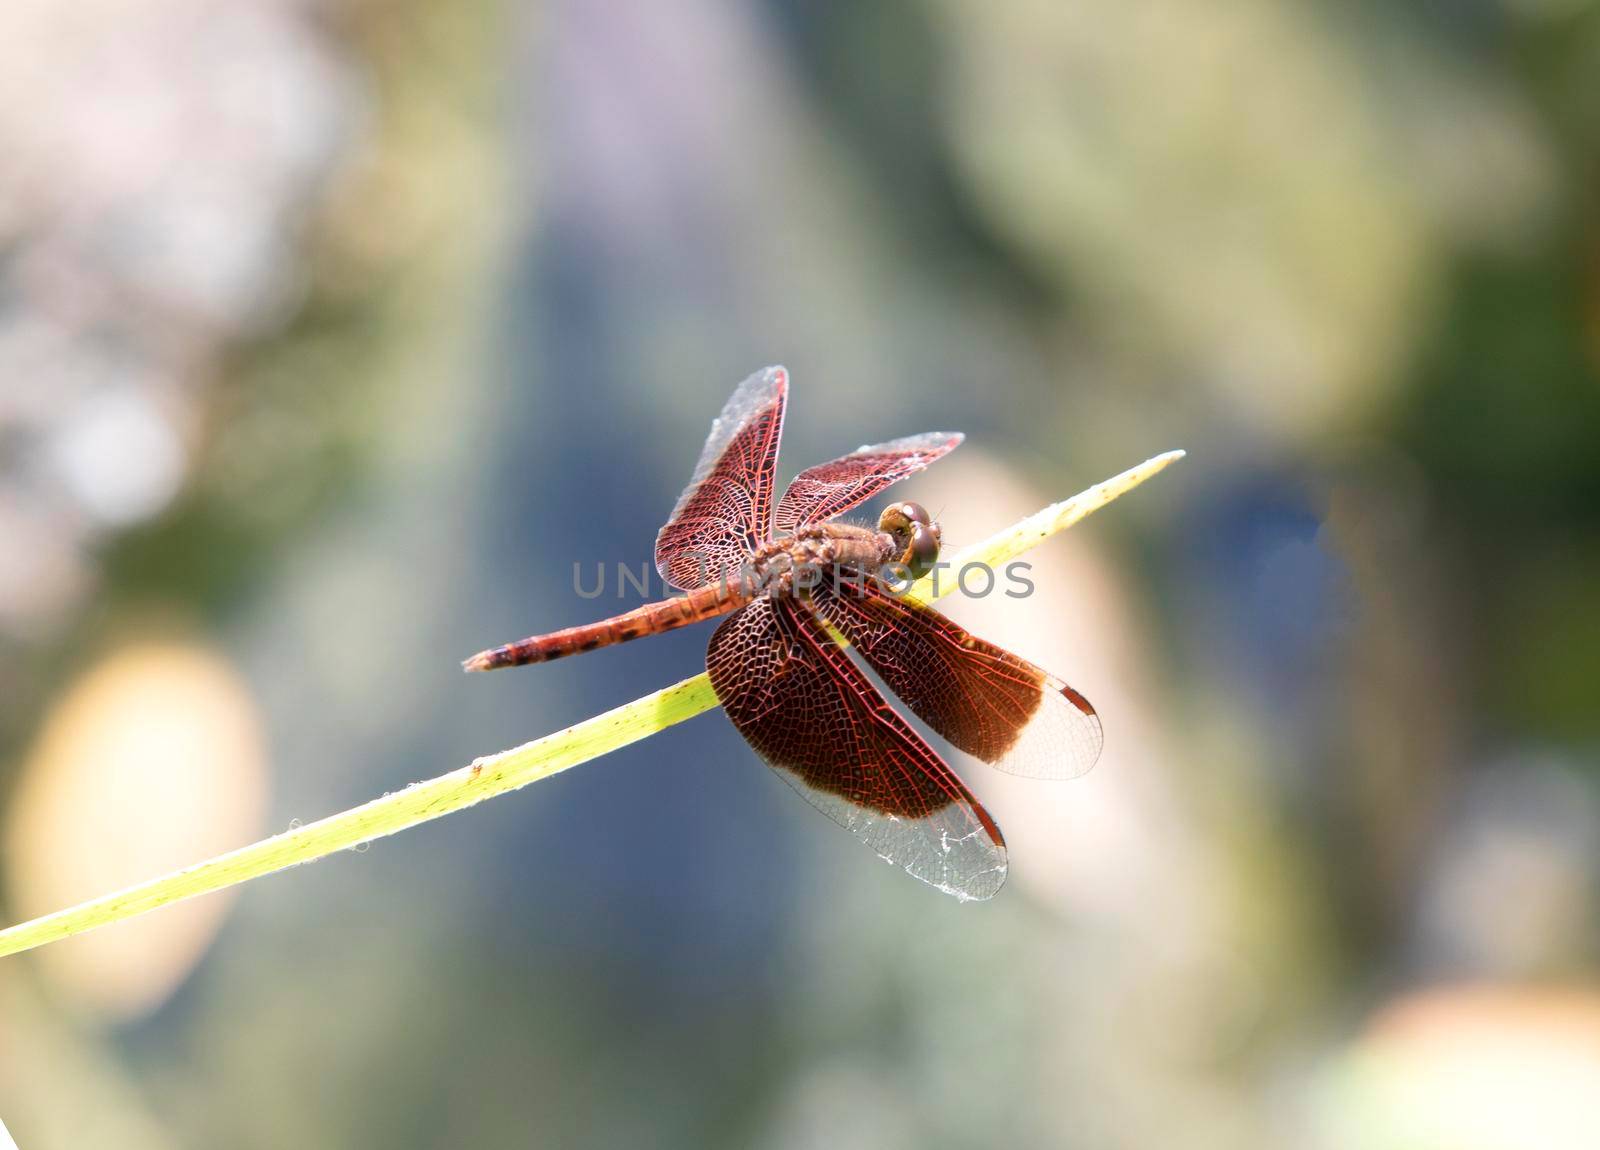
1280,602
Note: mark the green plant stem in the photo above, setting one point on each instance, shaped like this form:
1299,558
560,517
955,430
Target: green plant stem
496,774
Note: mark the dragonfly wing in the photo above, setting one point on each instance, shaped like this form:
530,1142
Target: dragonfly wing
819,493
984,699
810,712
726,511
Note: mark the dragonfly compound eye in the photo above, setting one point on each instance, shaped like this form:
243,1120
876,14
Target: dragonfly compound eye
917,514
923,552
899,519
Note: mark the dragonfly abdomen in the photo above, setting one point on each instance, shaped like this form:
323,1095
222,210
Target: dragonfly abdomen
651,619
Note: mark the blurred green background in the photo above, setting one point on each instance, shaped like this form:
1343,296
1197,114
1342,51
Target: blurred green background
334,332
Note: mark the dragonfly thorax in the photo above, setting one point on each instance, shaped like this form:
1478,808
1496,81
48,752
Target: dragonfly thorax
906,543
794,564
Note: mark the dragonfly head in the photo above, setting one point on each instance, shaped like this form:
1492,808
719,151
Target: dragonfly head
915,536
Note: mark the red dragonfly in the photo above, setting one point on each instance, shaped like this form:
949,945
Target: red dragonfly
793,578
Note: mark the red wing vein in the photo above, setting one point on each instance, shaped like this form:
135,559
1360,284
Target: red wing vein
830,489
726,510
982,698
832,654
811,713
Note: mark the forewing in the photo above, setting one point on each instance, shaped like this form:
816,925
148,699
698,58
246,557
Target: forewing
811,713
819,493
726,511
982,698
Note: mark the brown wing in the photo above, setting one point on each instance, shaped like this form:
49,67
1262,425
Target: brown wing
984,699
726,511
828,489
810,712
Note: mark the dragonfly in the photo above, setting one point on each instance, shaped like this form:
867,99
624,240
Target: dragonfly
796,584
